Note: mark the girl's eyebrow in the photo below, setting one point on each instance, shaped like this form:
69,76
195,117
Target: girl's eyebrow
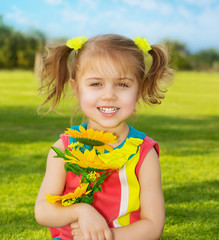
125,78
94,78
99,78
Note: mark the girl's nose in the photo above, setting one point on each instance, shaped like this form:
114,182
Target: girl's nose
109,93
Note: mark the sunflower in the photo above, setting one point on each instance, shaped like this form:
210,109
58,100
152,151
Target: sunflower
118,157
98,139
88,159
69,198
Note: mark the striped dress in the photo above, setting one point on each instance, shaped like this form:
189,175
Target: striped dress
119,201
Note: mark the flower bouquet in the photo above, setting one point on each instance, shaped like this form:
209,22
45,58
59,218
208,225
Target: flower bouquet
84,158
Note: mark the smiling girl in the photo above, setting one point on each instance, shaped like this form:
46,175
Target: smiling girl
108,76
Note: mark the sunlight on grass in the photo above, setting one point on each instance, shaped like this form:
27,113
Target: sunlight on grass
185,125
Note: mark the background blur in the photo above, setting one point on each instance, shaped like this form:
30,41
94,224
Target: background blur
186,124
190,27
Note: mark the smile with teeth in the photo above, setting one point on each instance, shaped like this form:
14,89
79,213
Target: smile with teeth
108,109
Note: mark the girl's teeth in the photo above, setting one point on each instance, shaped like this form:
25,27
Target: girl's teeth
108,110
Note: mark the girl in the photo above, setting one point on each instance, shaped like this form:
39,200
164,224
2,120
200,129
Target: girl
108,76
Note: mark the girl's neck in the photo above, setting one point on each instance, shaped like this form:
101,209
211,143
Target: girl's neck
120,131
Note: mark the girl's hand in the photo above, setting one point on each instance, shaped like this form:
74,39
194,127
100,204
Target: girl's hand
91,225
76,231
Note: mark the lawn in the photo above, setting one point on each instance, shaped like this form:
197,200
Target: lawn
186,125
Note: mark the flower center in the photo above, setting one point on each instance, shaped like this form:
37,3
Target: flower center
89,141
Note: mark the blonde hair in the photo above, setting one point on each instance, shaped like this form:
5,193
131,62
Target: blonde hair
58,67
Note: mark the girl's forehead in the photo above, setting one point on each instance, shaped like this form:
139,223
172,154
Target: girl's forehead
105,66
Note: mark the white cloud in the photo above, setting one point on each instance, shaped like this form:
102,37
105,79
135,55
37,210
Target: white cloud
149,5
72,17
17,16
54,2
90,3
208,20
186,13
201,3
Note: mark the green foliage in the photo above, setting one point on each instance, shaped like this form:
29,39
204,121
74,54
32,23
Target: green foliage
182,59
179,55
206,60
74,168
17,50
185,125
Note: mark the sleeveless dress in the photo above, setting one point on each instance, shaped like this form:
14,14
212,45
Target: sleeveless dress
119,201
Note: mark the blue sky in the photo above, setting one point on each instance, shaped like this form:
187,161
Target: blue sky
194,22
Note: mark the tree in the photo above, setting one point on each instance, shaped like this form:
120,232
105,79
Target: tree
206,60
179,55
18,50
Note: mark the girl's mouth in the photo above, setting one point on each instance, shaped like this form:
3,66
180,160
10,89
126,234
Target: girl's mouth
108,109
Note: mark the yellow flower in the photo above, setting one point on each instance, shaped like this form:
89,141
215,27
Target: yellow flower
68,202
119,156
92,176
52,198
88,159
76,144
142,44
98,139
79,191
76,43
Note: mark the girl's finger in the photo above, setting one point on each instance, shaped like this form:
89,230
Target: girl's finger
74,225
94,236
108,234
76,232
87,236
101,236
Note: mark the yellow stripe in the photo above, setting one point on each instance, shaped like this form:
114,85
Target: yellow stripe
134,190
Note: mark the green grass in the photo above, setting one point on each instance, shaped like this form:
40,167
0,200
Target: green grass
186,125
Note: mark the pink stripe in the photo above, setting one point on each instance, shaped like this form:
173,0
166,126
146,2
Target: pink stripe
65,140
147,144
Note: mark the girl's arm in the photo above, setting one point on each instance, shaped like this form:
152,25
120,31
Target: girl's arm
56,215
152,204
53,215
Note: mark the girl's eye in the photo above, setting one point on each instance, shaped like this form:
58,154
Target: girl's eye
123,85
95,84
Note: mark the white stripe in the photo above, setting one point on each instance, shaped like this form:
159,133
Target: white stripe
124,195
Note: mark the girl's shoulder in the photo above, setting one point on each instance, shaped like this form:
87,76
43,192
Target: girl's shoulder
59,143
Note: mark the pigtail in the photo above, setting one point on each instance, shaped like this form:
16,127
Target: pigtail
55,74
159,72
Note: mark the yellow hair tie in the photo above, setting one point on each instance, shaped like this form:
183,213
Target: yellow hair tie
76,43
142,44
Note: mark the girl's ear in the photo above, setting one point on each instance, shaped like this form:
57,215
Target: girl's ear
74,87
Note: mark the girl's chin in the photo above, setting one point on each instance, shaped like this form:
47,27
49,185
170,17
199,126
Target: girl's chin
104,125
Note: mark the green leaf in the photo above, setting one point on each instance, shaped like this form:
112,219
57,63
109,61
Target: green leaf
59,153
101,180
87,199
96,169
72,168
89,141
67,152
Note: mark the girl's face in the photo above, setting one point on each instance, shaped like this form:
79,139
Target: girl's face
107,97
